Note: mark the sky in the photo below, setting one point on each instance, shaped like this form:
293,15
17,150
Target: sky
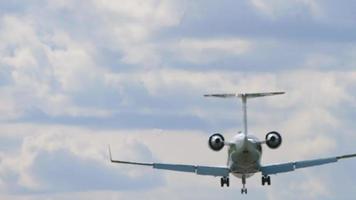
77,76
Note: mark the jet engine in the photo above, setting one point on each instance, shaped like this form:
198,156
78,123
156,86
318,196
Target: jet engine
273,139
216,142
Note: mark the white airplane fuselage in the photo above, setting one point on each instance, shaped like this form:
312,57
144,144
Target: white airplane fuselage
244,155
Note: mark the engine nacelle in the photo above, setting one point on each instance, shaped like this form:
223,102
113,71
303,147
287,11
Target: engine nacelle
216,142
273,139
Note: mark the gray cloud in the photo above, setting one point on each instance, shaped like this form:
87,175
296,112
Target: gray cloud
231,18
47,164
61,171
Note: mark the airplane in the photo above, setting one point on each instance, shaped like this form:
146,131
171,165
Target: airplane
244,153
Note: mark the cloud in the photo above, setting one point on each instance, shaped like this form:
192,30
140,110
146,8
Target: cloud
208,50
303,187
153,99
132,74
278,9
56,162
59,72
45,76
58,158
134,36
60,171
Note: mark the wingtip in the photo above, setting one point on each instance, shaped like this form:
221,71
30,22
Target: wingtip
110,156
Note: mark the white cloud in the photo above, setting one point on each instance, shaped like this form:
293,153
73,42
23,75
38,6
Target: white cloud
319,186
8,107
305,186
50,69
208,50
153,12
132,25
45,76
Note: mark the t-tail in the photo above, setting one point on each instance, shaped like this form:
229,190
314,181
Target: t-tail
244,97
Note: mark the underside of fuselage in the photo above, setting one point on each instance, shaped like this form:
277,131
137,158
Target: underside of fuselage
244,155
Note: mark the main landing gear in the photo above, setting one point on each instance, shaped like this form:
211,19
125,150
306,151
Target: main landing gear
225,181
266,179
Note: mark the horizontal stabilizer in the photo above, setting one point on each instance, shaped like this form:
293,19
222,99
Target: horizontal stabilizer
221,95
245,95
264,94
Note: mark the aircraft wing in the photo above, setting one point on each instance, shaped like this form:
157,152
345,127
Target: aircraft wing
291,166
200,170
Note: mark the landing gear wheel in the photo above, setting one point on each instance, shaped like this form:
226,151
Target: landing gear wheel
244,189
224,181
266,179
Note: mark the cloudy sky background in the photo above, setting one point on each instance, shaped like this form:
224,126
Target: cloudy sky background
76,76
